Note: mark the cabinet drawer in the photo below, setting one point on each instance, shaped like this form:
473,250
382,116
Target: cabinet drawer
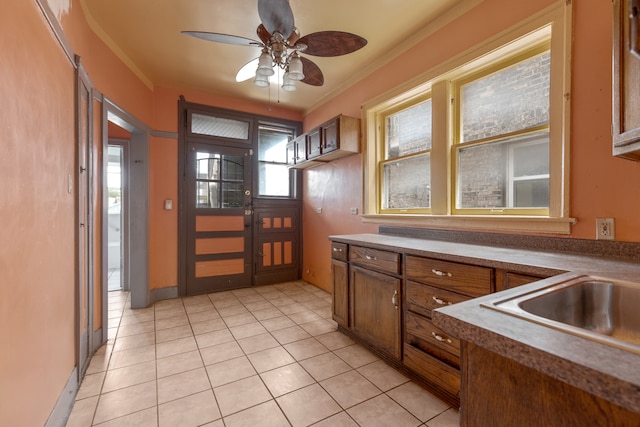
423,299
433,370
339,251
462,278
375,259
422,333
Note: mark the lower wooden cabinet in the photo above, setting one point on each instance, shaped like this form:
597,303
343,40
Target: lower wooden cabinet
385,298
340,306
375,309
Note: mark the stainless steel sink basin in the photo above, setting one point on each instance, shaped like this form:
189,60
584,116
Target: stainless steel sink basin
598,309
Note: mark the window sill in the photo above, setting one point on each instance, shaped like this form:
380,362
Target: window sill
529,224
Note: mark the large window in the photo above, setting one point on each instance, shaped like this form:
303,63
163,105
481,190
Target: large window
501,149
480,142
405,177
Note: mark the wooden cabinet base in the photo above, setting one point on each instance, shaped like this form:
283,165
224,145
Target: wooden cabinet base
448,394
497,391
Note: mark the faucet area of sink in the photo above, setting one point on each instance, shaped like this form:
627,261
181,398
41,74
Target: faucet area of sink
603,310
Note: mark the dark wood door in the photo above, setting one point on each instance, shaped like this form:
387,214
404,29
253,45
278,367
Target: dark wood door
340,274
219,218
375,308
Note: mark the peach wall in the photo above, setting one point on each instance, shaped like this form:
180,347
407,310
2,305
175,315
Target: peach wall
163,184
335,188
601,185
37,325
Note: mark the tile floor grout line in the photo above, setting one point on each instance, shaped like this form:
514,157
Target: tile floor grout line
290,294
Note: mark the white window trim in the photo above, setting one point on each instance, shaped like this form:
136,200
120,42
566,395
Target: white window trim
557,17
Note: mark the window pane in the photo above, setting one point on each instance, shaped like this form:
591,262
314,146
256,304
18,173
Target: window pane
482,176
217,126
273,172
505,174
233,168
409,131
272,145
407,183
531,159
509,100
274,180
208,166
531,193
232,194
207,195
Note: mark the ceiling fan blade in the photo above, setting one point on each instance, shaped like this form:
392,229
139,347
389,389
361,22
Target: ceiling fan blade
222,38
312,74
248,71
276,15
332,43
294,37
263,34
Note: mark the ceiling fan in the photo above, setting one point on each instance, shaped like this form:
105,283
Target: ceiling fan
282,45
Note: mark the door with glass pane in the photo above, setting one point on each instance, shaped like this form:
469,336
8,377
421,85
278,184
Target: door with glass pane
219,217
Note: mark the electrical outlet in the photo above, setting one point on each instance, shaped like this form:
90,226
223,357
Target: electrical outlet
354,211
605,229
319,210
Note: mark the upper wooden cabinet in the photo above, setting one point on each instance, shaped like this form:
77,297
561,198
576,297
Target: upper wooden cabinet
626,81
338,137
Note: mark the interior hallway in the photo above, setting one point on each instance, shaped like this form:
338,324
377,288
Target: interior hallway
264,356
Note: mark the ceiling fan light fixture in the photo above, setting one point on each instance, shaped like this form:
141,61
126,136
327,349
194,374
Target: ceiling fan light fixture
288,84
261,80
295,68
265,64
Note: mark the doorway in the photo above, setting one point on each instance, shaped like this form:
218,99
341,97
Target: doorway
117,214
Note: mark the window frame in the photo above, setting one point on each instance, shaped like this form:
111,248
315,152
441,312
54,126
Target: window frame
382,118
551,25
457,144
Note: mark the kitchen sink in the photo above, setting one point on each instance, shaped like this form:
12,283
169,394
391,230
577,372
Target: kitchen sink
598,309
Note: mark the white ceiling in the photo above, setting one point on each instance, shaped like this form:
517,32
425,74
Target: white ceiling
146,35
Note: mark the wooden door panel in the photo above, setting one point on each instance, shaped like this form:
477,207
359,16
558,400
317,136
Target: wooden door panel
219,218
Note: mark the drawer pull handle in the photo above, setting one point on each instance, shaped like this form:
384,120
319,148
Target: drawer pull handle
441,273
441,338
337,249
394,299
371,258
440,301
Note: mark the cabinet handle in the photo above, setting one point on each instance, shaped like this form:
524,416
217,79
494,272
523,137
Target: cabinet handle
371,258
441,338
337,249
394,299
440,301
441,273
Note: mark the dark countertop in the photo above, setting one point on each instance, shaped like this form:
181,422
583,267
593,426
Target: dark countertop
608,372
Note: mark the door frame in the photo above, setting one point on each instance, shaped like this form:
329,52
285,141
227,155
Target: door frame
184,109
137,200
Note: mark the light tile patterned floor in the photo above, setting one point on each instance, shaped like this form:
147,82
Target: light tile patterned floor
264,356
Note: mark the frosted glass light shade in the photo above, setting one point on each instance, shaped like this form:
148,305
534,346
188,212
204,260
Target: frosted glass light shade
295,68
288,84
265,67
261,81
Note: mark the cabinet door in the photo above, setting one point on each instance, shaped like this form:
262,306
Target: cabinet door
340,274
330,140
375,309
314,143
291,153
626,84
301,148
